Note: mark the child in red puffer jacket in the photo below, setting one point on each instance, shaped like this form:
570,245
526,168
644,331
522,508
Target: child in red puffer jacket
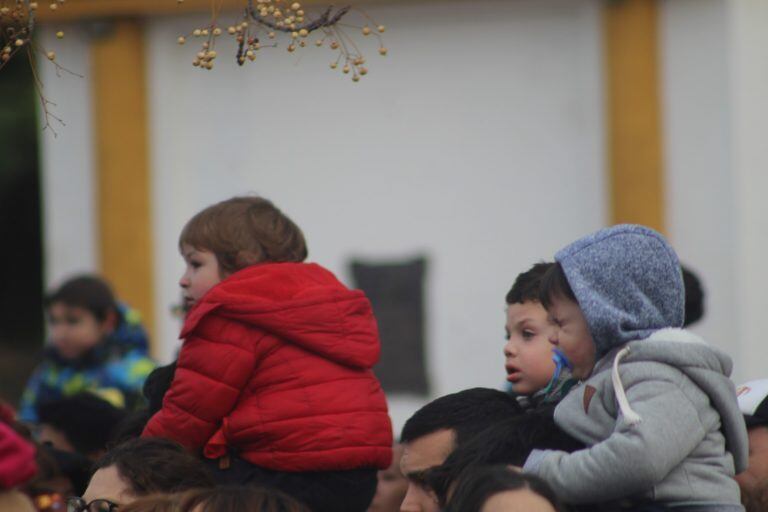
274,382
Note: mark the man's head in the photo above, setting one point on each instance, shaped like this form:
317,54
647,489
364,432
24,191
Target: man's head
508,442
528,352
144,466
438,428
81,312
753,402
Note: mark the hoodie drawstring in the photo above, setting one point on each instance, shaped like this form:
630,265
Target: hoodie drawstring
630,416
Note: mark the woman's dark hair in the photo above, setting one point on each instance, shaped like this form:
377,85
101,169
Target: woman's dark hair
480,484
239,499
88,292
555,284
153,465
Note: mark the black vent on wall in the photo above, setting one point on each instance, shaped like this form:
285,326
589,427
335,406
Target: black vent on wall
396,291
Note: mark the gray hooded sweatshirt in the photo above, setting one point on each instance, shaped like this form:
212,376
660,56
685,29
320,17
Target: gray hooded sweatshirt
659,412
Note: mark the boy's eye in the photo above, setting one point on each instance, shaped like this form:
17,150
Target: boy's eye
506,334
528,334
194,264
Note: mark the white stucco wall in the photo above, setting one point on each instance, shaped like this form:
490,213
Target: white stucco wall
477,141
748,20
698,140
715,68
69,223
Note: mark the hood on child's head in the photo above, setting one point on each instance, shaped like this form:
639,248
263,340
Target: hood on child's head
627,281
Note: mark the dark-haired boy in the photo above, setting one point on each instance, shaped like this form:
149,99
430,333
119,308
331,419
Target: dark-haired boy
97,345
537,372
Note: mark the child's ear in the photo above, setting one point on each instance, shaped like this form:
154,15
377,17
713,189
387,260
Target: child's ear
110,322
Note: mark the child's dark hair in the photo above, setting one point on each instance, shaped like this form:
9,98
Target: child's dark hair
243,231
88,292
528,284
554,284
480,484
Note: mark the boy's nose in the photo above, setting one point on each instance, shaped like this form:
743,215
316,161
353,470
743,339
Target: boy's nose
509,350
184,281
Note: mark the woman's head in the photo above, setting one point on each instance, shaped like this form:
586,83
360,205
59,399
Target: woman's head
501,489
238,499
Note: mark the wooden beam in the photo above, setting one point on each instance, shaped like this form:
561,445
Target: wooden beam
122,163
76,10
84,9
636,171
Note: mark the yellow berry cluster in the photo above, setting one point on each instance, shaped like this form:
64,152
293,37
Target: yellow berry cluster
263,20
17,22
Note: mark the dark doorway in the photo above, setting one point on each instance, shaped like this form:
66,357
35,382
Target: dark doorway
396,291
21,317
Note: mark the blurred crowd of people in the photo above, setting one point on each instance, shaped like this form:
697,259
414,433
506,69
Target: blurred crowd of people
272,404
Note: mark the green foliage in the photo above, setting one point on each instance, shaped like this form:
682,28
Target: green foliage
21,319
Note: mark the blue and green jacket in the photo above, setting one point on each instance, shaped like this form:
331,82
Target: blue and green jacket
115,369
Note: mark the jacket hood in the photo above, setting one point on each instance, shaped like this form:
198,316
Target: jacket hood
301,303
708,368
628,283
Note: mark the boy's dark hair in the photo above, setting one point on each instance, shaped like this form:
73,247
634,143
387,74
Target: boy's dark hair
467,413
86,420
243,231
554,284
154,465
694,297
478,485
86,291
528,284
508,442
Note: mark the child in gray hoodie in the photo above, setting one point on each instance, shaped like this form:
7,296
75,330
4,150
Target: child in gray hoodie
655,407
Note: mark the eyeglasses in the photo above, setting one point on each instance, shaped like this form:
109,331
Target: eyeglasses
79,505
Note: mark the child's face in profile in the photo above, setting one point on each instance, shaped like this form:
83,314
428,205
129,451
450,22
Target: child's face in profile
571,334
201,274
75,330
528,352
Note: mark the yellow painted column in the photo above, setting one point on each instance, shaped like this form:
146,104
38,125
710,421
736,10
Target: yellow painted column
122,163
635,153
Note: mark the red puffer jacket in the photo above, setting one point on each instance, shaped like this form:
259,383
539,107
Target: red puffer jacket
276,365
